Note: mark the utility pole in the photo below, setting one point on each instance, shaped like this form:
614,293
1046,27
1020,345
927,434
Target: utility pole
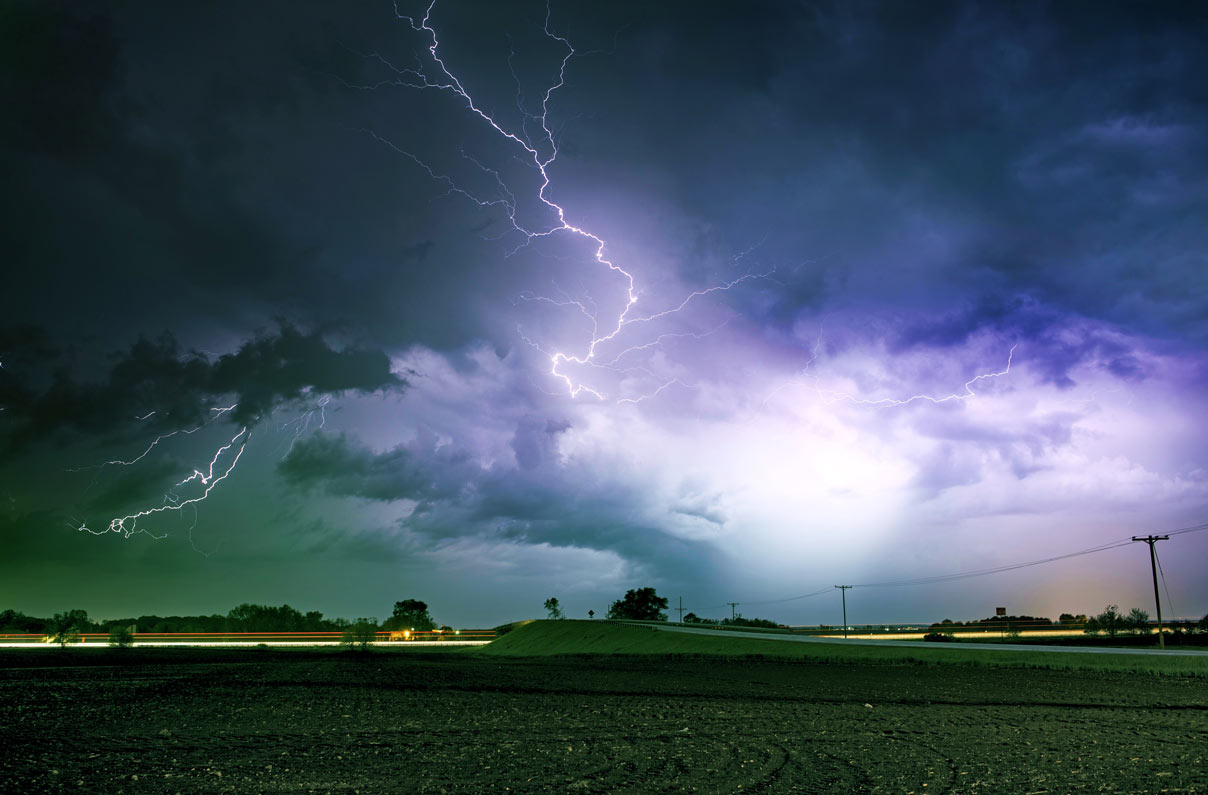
681,609
843,590
1153,566
733,605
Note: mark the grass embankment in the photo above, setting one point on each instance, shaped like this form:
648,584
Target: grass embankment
592,638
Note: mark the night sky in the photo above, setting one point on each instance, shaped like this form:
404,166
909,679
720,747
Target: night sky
887,291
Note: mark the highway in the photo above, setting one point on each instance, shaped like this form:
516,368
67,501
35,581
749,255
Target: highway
235,644
1003,647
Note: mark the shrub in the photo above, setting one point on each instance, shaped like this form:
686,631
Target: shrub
360,634
121,637
939,637
1137,621
66,627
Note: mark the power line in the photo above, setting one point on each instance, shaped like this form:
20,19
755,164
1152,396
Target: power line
995,570
1152,541
963,575
790,598
1158,559
939,578
843,590
767,601
1192,529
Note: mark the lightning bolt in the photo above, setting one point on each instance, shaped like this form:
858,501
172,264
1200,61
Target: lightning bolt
207,479
302,423
831,396
537,145
217,412
965,395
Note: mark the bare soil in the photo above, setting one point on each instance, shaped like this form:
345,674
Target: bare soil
266,721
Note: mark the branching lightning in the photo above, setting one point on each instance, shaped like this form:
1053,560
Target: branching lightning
207,479
216,412
830,396
538,142
303,422
195,487
968,393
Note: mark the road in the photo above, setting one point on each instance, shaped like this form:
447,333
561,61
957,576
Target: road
1004,647
232,644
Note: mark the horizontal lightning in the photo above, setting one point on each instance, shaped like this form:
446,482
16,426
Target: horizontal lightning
968,393
831,396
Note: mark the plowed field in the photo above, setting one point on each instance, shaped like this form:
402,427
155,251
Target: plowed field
188,721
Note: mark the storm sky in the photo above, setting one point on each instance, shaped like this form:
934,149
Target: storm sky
296,308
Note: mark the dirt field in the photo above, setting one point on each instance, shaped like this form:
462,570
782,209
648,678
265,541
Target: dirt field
212,721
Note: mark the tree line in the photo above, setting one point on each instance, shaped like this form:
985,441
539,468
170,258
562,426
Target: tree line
1110,622
644,604
409,614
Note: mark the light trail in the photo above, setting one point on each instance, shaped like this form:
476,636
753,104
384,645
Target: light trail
243,644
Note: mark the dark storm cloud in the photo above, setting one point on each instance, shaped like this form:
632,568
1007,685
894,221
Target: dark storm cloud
149,183
907,157
344,467
271,369
539,503
118,222
536,441
178,388
1054,342
932,182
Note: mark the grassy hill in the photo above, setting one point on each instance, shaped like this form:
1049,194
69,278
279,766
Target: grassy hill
570,638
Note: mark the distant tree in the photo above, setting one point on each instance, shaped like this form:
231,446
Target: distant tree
1109,621
66,627
16,623
1203,625
641,604
553,608
1137,620
410,614
359,634
691,618
742,621
246,618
